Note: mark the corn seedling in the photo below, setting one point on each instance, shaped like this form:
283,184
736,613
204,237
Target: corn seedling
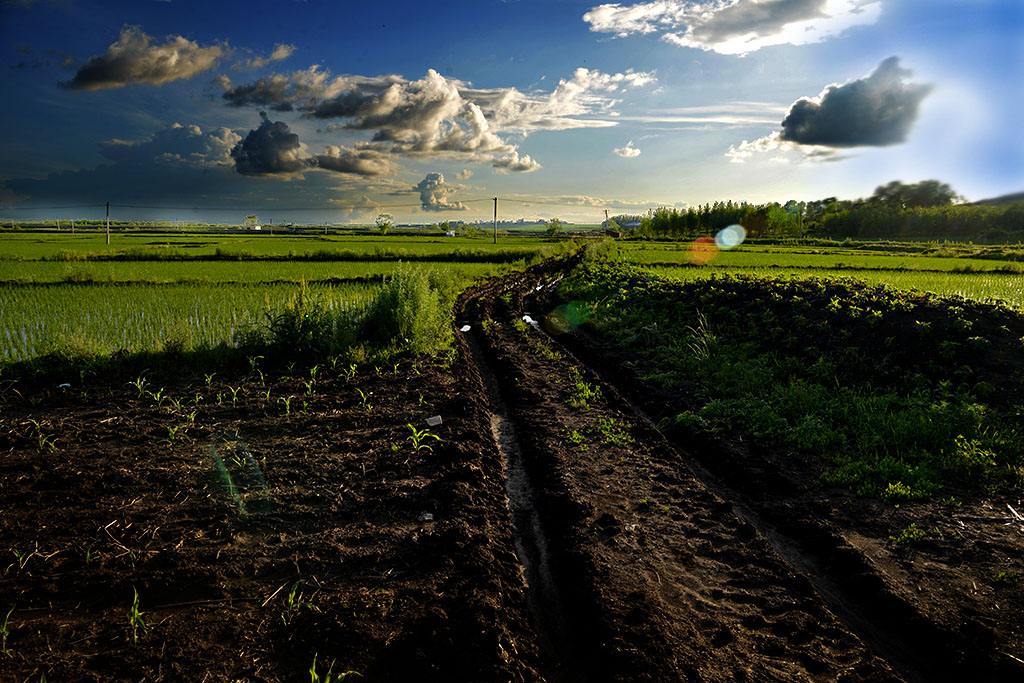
310,387
286,401
135,617
5,631
140,385
173,431
364,399
419,437
45,443
314,675
329,677
234,394
209,378
313,371
22,558
351,371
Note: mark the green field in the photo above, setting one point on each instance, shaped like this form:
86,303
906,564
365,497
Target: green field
216,271
71,294
954,275
103,319
31,246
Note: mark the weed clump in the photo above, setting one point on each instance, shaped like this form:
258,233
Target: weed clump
411,312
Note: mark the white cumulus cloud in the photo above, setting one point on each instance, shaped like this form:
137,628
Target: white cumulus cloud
629,151
734,27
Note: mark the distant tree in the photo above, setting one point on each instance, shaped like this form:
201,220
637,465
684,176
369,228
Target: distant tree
384,223
555,228
925,193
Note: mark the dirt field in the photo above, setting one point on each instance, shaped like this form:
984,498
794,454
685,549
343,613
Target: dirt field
552,533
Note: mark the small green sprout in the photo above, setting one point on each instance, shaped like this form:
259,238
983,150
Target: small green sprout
5,632
418,438
135,617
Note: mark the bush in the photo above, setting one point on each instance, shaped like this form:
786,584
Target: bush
306,328
412,312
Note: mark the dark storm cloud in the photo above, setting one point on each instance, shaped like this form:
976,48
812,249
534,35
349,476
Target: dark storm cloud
134,58
364,162
176,144
272,92
270,149
877,110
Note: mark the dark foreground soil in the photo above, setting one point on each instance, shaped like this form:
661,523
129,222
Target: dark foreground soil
942,603
326,550
552,533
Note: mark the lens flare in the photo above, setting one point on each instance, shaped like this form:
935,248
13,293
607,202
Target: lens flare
567,317
730,237
703,250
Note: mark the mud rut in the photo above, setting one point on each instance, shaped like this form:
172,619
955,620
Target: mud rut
753,602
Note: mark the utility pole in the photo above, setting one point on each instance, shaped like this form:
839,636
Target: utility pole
72,226
108,223
606,219
495,220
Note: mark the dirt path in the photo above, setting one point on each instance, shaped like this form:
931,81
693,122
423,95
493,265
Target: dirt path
657,576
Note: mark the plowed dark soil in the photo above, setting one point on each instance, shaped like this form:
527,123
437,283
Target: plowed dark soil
551,533
335,555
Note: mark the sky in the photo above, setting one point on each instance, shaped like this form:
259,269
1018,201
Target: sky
308,111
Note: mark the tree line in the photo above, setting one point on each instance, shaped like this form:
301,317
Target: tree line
926,210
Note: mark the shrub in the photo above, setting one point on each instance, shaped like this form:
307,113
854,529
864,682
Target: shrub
412,312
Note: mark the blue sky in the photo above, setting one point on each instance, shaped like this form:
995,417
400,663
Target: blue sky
423,109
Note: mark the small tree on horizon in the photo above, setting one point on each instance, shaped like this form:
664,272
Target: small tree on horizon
555,228
384,223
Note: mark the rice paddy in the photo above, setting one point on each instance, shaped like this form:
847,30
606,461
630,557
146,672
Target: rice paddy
71,294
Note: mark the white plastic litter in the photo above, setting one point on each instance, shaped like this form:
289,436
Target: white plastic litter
434,421
425,517
65,385
464,328
527,319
